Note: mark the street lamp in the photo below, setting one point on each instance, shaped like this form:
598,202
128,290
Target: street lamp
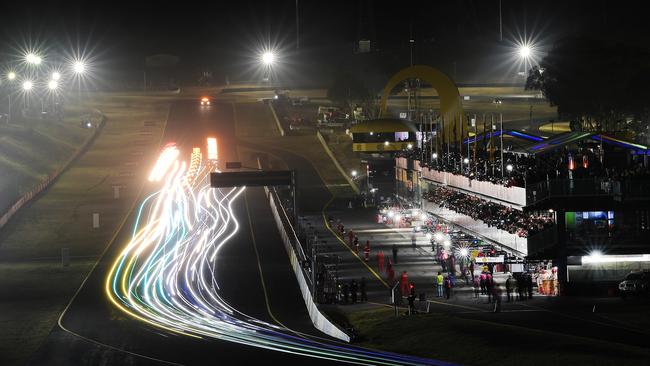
268,58
79,67
33,59
52,85
27,86
524,51
509,168
56,76
11,76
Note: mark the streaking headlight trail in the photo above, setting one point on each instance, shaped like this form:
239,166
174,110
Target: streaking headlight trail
166,275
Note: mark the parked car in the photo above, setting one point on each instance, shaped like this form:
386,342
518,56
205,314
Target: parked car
635,283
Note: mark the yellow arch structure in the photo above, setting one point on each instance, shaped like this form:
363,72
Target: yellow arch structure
451,109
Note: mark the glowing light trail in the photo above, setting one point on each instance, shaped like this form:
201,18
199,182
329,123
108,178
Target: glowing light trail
166,276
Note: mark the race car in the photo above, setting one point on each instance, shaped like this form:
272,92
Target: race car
205,101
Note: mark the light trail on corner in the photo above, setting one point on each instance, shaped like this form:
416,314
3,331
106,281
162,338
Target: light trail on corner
166,275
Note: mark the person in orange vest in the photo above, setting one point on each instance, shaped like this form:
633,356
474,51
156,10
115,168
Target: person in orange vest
356,244
404,283
391,272
380,261
366,250
350,237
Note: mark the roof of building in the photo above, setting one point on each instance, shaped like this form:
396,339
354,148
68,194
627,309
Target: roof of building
563,139
384,125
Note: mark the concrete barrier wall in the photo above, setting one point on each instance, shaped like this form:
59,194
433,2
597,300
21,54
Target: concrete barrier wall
52,177
288,235
498,236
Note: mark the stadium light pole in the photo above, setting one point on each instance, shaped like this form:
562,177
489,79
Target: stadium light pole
52,86
525,53
79,68
33,59
268,60
11,76
27,87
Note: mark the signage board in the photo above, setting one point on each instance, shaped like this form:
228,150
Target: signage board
497,259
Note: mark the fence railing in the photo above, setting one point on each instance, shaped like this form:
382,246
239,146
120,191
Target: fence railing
297,257
52,177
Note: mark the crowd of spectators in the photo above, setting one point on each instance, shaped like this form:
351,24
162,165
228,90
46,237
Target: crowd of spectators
527,169
492,214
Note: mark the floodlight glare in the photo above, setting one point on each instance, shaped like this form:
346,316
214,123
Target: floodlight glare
11,75
27,85
439,236
78,67
56,76
464,252
434,155
509,167
409,146
524,51
268,58
354,173
466,161
33,59
52,85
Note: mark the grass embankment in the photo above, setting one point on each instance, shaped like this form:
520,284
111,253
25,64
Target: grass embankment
474,342
35,286
311,149
512,110
341,146
32,149
255,124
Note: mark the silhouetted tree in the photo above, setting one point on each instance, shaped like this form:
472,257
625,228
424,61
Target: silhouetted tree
600,85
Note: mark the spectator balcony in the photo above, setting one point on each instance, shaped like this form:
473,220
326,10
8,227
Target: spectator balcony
605,189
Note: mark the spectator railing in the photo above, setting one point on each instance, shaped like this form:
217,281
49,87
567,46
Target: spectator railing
512,196
519,197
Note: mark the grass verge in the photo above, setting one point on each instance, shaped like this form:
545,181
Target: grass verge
474,342
35,286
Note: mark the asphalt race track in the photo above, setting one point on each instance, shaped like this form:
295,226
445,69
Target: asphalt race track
98,333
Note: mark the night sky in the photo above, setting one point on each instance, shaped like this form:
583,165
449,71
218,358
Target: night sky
226,34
